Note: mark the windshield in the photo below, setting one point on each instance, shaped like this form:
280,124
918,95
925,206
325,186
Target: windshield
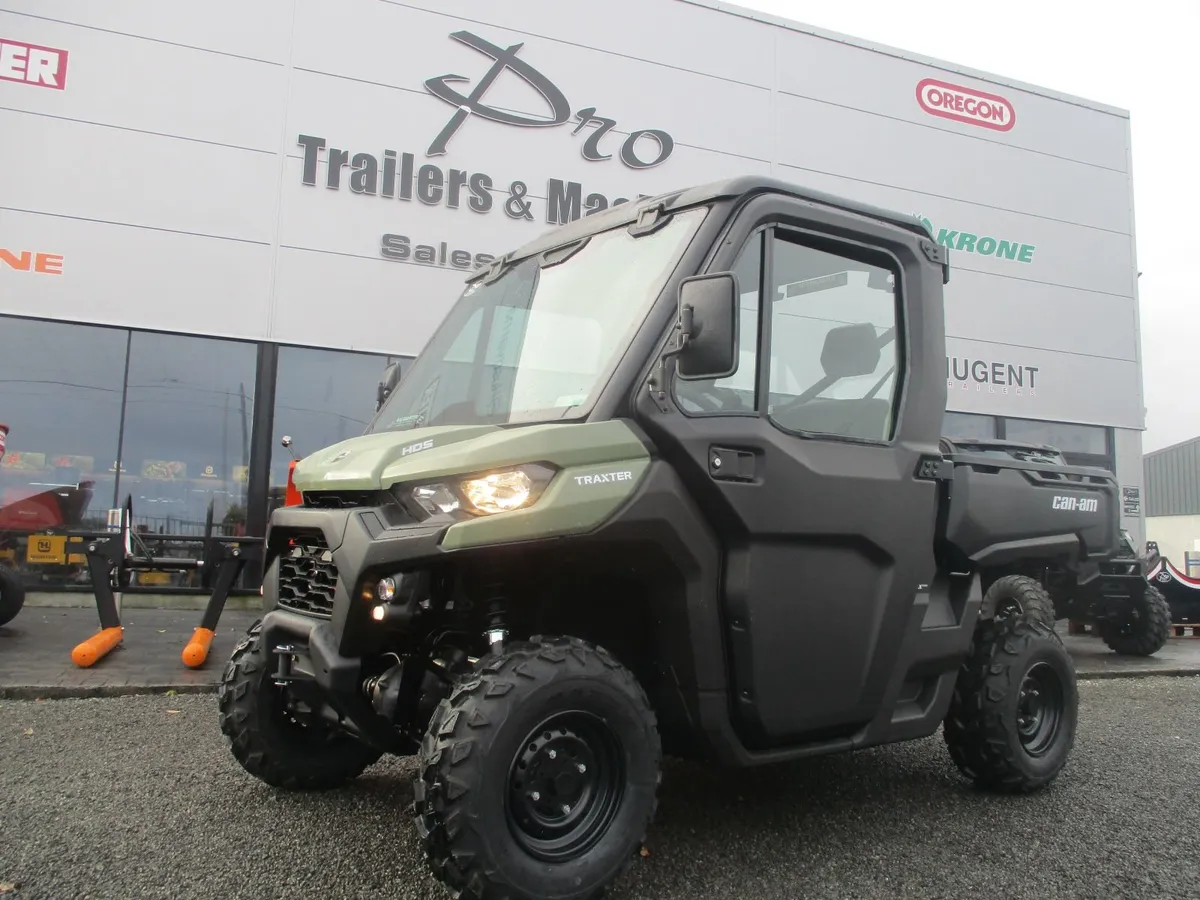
540,342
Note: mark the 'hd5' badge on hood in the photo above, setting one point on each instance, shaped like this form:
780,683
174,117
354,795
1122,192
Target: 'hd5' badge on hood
950,101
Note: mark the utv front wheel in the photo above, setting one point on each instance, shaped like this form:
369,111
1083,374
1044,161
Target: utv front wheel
1011,723
1142,629
538,776
268,738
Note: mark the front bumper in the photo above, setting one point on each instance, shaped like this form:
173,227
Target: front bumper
338,677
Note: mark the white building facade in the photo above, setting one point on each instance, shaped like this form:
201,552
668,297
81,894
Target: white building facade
219,222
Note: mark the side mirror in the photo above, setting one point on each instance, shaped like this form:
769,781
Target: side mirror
708,313
391,378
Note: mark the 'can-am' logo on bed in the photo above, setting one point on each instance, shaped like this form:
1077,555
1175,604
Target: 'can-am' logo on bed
950,101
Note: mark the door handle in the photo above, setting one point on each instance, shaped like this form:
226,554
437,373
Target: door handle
732,464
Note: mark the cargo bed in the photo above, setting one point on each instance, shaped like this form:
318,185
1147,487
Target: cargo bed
1006,502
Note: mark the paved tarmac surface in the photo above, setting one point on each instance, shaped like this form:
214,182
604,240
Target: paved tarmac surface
137,797
35,654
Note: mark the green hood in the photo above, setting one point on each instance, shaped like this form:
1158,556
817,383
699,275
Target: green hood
378,461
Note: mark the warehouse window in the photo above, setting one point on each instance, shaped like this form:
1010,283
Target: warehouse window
322,397
1084,445
188,420
968,426
60,396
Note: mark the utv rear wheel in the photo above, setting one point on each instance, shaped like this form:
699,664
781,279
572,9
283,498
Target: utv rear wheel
269,741
538,775
1011,723
12,595
1142,629
1019,594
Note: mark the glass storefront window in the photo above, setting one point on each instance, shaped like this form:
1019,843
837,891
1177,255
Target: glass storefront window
188,424
321,397
60,396
1089,440
968,426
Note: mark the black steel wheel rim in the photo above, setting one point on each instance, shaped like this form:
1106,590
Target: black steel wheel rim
565,784
1127,624
1040,704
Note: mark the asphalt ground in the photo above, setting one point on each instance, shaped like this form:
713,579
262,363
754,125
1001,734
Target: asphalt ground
137,797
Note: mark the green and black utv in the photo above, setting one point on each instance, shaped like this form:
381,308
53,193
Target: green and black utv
669,479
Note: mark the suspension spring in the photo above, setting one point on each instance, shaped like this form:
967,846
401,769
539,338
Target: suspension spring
496,632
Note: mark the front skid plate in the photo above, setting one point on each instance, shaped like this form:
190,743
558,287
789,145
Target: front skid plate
338,677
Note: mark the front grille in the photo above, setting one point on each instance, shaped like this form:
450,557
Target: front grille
340,499
307,577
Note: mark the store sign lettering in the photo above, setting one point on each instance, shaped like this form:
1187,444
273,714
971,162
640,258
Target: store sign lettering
966,105
30,64
981,244
559,109
965,373
31,261
400,175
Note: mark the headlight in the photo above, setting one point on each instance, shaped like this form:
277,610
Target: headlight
483,494
435,498
500,492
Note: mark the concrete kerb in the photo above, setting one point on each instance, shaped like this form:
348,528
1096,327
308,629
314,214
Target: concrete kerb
129,600
100,691
107,691
1174,672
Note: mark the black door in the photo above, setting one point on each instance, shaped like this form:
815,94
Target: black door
805,463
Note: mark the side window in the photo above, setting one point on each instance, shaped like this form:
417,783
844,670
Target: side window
834,349
737,392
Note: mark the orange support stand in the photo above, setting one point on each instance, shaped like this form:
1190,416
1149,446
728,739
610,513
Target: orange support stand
104,558
196,651
98,646
229,559
111,559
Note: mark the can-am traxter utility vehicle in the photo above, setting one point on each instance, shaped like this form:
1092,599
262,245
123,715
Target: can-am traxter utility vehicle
667,480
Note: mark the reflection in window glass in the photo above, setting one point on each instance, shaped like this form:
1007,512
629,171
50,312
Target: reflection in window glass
1070,439
188,421
737,392
322,397
60,396
968,426
833,344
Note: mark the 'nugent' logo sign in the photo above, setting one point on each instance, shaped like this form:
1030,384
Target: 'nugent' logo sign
963,373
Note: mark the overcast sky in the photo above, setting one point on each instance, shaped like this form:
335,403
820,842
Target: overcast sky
1141,57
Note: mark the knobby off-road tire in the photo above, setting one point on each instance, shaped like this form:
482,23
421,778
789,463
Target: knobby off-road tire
1012,720
1022,594
268,743
1145,631
550,734
12,595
